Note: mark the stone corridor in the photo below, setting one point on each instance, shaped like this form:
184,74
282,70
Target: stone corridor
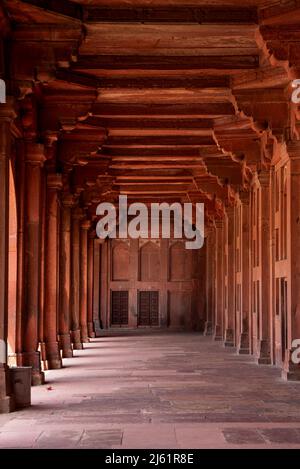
159,390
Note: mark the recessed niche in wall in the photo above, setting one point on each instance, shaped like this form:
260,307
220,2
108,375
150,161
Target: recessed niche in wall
179,308
120,260
149,262
181,262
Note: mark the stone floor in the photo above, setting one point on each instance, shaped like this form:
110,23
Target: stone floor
158,391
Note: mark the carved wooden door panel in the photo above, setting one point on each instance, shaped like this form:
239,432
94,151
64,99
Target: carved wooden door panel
119,308
148,308
154,319
144,318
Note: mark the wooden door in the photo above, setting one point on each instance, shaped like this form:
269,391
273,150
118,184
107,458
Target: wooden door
119,308
144,317
148,308
154,305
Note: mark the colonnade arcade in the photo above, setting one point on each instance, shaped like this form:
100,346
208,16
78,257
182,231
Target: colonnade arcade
197,109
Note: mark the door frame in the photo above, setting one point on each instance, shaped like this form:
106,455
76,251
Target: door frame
111,308
139,291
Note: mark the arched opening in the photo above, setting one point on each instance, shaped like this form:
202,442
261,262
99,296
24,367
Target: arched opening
12,269
150,262
120,261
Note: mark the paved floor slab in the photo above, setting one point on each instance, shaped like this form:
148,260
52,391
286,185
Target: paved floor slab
161,390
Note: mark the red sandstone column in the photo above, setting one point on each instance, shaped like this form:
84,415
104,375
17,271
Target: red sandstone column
20,183
213,278
50,151
264,356
84,227
230,319
199,291
77,215
54,184
291,370
34,158
219,286
90,285
210,280
104,302
96,293
64,311
225,276
244,345
6,116
42,346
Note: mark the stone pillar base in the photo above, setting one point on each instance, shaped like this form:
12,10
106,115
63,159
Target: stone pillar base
290,371
65,346
42,349
7,403
91,332
97,328
229,338
264,356
37,378
218,333
76,340
199,326
32,359
244,348
84,334
12,360
53,360
208,328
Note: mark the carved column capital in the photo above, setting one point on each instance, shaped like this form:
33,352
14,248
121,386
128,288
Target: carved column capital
51,138
35,154
54,181
7,115
244,197
230,211
264,178
99,241
68,200
293,149
77,213
85,225
209,230
219,222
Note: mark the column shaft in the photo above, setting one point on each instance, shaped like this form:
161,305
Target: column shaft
230,319
264,356
30,356
244,344
104,299
75,270
96,299
54,184
83,280
6,402
90,286
219,285
210,281
65,278
42,270
20,183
